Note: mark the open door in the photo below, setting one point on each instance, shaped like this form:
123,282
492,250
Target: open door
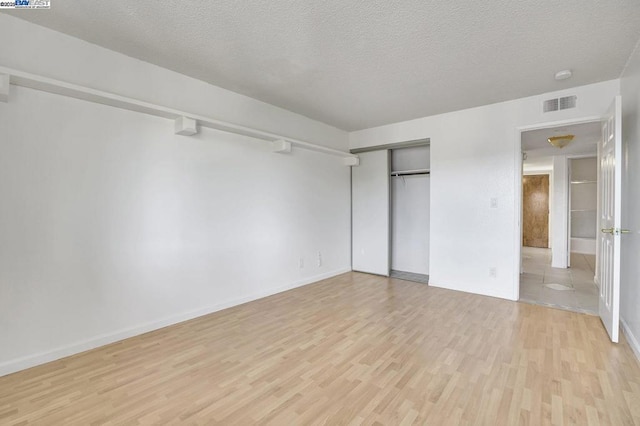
370,213
610,159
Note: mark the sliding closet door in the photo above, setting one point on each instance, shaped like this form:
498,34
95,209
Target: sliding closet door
370,198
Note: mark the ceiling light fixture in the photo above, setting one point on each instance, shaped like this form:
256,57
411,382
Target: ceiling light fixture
563,75
560,141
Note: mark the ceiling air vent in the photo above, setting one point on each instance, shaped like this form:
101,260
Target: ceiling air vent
559,103
568,102
550,105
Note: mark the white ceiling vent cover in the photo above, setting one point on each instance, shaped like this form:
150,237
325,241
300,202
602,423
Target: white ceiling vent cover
566,102
550,105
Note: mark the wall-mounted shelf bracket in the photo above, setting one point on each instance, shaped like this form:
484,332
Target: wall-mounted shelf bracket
281,146
186,126
352,161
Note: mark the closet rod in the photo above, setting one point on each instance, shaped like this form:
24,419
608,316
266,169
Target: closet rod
410,173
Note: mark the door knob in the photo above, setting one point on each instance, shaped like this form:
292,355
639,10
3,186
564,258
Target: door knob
607,230
624,231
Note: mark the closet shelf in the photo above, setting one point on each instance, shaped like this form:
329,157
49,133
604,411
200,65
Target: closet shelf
45,84
582,237
411,172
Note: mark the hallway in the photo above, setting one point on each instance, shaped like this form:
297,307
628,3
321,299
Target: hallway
571,289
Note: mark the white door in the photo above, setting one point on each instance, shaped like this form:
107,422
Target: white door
370,213
569,223
610,157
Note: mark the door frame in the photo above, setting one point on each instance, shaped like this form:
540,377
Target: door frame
518,164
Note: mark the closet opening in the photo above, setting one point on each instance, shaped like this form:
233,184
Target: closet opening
390,210
409,213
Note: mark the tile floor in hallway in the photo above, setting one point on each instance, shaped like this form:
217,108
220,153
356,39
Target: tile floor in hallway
582,293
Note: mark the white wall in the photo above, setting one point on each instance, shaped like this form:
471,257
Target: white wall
630,273
111,225
474,158
410,211
560,213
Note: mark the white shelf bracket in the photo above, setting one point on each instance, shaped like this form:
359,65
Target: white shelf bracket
4,87
186,126
352,161
281,146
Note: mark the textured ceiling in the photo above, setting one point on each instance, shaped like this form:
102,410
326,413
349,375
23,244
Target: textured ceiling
587,135
358,64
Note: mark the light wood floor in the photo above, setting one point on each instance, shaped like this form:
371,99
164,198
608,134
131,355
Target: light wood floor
355,349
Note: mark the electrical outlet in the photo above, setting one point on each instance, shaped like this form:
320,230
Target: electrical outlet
319,259
493,272
301,263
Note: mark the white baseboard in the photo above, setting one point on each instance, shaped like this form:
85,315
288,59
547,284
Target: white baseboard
631,339
29,361
466,289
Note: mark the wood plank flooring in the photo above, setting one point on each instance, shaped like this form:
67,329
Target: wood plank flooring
354,349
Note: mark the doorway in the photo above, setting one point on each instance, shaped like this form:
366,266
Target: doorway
558,261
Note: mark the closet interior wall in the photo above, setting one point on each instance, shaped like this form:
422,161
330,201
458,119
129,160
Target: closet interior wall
410,205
